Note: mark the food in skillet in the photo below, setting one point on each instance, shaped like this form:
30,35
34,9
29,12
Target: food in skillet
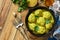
32,25
31,18
52,20
40,21
46,14
41,30
38,12
48,26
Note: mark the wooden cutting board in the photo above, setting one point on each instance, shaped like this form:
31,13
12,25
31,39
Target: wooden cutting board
9,32
4,9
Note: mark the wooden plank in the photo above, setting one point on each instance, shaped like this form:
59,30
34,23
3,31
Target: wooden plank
8,26
18,36
9,35
4,12
13,30
2,3
13,33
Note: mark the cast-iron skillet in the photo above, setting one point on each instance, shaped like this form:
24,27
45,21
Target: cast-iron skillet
33,9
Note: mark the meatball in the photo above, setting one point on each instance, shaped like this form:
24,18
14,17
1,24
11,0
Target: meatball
31,18
41,30
48,26
31,26
46,14
41,21
38,12
52,20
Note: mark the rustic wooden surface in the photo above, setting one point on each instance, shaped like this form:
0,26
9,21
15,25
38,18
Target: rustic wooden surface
8,30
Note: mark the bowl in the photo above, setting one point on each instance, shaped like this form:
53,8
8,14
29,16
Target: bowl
47,9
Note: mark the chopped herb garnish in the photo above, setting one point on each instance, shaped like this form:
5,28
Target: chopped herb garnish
36,16
48,21
36,28
23,4
16,1
20,9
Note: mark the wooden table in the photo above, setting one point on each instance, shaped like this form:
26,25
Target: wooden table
8,30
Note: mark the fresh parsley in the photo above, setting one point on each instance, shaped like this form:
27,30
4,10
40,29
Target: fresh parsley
36,28
23,4
47,21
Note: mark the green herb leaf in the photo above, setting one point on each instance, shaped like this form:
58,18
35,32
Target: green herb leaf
36,28
20,9
23,4
48,21
36,16
16,1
